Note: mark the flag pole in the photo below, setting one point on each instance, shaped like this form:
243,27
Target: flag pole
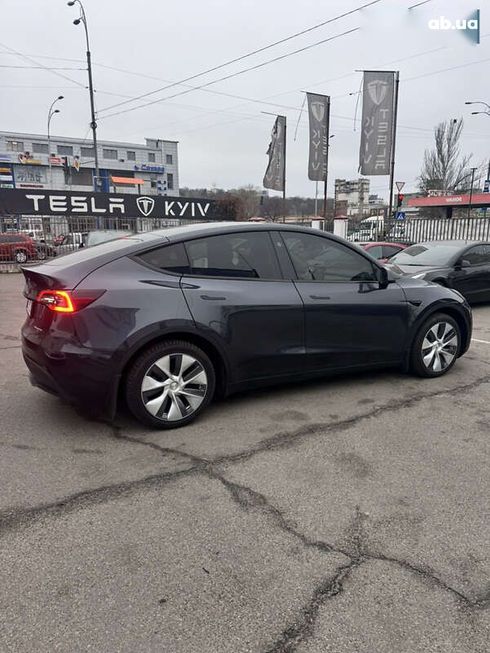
284,178
393,141
327,118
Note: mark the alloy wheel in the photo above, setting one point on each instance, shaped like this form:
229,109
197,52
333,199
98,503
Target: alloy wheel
20,257
440,346
174,387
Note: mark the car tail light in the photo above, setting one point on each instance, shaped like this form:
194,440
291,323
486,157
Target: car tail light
67,301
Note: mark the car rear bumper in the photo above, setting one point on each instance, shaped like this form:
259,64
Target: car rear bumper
79,378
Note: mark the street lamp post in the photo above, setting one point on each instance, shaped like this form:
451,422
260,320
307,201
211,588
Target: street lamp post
51,113
471,190
93,124
487,113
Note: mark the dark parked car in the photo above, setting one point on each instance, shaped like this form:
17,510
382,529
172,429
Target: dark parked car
462,265
382,251
167,319
17,247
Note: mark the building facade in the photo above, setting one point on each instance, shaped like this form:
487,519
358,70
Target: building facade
62,163
352,197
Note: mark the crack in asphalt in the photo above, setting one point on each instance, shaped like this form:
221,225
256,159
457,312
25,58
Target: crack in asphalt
248,499
293,635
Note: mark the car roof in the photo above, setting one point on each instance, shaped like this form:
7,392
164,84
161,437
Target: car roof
460,243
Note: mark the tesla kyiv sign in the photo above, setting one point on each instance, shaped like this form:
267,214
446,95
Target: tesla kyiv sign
42,202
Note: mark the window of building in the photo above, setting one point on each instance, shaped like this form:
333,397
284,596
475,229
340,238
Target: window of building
15,146
320,259
83,177
153,183
131,155
109,154
151,157
65,150
247,255
172,258
170,181
169,159
40,148
87,152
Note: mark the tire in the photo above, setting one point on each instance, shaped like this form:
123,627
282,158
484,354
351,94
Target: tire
162,395
436,346
20,256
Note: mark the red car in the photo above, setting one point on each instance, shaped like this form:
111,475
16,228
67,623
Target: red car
17,247
383,251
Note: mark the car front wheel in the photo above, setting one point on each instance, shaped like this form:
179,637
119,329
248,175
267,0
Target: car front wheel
170,384
436,346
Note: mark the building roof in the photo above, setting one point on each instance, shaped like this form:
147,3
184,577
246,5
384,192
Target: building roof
88,143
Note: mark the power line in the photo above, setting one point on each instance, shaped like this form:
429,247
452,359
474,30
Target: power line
240,72
32,61
40,67
248,54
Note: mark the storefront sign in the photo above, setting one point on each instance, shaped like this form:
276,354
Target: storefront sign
147,168
136,206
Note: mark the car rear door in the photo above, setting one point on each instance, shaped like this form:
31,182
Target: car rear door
349,319
237,295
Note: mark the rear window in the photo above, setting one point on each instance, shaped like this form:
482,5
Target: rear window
86,253
171,258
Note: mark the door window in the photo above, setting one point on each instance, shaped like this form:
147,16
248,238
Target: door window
478,255
242,255
375,251
320,259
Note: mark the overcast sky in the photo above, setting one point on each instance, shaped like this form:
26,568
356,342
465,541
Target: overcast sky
223,140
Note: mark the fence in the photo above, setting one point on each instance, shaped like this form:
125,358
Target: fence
416,230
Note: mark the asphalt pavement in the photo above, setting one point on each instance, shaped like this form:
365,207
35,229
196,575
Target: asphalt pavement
344,515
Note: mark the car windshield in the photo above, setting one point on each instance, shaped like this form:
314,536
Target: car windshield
427,254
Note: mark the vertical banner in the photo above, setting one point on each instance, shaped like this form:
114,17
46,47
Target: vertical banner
275,175
319,118
378,115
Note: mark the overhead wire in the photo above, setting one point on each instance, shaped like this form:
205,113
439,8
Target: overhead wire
253,52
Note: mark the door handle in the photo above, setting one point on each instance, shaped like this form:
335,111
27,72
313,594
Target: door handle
319,297
211,298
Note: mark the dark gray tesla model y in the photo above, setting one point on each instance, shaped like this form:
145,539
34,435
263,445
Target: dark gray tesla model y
168,319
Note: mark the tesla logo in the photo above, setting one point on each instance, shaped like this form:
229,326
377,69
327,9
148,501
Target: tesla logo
318,110
145,205
377,90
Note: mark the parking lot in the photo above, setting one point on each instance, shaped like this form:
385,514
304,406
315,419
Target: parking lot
346,515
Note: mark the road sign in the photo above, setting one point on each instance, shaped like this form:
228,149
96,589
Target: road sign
399,185
400,215
486,186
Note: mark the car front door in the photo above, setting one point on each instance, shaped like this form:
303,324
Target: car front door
350,320
473,278
238,296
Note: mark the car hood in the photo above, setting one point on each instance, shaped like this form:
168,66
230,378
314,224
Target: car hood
412,270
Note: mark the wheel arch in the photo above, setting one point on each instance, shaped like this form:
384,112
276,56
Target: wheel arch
447,309
209,348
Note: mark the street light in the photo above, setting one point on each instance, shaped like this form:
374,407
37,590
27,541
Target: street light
487,113
478,102
51,113
93,124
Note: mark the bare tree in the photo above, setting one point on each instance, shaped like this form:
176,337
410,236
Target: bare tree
444,167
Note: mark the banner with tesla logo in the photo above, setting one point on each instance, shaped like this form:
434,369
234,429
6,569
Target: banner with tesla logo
44,202
319,115
378,116
275,175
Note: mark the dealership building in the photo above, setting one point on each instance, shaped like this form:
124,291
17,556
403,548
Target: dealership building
32,161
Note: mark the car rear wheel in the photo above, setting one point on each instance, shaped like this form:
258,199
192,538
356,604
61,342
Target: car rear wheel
20,256
170,384
436,346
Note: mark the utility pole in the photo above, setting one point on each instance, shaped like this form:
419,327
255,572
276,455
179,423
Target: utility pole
393,142
471,190
93,124
51,113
